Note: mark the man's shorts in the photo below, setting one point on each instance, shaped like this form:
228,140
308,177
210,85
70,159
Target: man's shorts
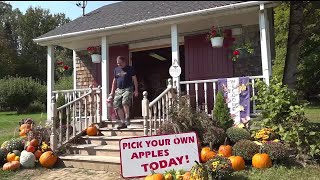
122,96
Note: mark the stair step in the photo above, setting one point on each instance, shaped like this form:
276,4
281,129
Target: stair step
98,150
134,123
103,140
93,162
122,132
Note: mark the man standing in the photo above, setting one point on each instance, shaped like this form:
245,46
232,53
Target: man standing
122,89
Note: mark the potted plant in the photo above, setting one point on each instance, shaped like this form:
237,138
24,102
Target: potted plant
244,50
95,53
216,37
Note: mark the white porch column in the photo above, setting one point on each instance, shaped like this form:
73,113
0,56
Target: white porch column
175,52
105,77
74,69
265,43
50,79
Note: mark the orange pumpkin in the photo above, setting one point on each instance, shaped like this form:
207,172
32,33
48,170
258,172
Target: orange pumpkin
237,163
11,157
37,154
260,161
48,159
34,142
186,175
92,130
11,166
155,176
225,150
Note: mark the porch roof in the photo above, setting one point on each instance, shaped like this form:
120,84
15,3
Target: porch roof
129,13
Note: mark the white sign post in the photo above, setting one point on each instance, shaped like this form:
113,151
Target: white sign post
175,69
140,155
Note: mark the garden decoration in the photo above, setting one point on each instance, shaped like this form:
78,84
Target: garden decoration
95,51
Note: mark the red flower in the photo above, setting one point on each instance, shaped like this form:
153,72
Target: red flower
236,52
65,67
213,33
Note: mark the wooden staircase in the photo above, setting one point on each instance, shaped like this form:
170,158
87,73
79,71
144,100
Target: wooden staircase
100,152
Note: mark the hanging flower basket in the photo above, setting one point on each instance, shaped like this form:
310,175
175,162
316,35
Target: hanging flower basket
96,58
217,42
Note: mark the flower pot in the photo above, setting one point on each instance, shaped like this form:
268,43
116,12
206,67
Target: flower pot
96,58
217,42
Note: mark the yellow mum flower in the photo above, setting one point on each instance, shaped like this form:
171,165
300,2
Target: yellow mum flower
276,140
258,143
265,137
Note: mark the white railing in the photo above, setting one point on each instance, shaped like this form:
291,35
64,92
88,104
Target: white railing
209,88
70,119
156,112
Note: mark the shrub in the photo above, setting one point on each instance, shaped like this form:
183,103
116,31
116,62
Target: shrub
219,167
168,128
246,149
213,134
36,106
64,83
221,112
18,93
276,150
236,134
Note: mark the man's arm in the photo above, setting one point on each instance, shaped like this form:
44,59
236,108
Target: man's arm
135,81
114,85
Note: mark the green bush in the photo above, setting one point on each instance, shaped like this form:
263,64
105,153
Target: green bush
282,112
221,112
236,134
36,106
64,83
18,93
276,150
246,149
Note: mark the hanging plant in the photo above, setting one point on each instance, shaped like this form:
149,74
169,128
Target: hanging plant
216,37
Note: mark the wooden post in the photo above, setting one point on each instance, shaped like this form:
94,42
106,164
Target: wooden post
53,136
91,105
145,112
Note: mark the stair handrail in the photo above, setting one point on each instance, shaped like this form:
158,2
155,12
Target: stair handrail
55,144
159,105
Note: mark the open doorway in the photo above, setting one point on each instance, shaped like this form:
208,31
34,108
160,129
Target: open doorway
152,70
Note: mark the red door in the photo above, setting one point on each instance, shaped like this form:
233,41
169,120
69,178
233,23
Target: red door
204,62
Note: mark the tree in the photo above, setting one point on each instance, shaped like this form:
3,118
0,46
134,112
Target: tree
304,20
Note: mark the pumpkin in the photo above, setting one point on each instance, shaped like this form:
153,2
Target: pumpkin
260,161
37,154
92,130
11,166
206,154
31,149
11,157
199,171
25,126
186,175
155,176
34,142
27,159
225,150
237,162
48,159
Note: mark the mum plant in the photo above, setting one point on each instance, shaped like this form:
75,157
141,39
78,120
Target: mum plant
94,50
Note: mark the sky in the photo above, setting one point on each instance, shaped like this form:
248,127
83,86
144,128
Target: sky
68,7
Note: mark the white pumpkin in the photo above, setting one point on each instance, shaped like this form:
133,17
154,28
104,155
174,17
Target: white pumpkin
27,159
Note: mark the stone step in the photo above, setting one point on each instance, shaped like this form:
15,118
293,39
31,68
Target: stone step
122,132
102,140
98,150
134,123
93,162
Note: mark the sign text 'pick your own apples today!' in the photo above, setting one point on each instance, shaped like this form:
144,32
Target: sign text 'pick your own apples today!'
141,155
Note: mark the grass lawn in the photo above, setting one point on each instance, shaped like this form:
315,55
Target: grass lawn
9,123
313,113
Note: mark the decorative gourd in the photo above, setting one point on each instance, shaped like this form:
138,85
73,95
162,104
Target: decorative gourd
37,154
237,163
16,152
187,175
11,166
168,176
179,174
48,159
24,129
11,157
225,150
92,130
199,171
34,142
17,158
27,159
260,161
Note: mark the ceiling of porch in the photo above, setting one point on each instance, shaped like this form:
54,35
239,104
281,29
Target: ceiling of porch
192,25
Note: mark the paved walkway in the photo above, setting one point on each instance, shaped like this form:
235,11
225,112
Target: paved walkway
68,174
